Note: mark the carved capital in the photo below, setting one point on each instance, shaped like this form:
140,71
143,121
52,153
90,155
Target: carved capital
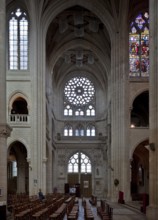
44,160
5,130
28,160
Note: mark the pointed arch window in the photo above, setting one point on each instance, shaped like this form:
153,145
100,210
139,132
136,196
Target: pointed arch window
68,111
90,131
79,162
79,112
68,130
90,111
139,46
18,40
79,131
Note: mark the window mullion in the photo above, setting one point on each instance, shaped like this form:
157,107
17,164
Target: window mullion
140,56
18,44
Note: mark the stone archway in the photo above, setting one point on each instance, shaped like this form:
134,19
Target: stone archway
18,169
80,175
140,171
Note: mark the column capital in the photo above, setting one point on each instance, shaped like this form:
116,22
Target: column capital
5,130
28,160
44,160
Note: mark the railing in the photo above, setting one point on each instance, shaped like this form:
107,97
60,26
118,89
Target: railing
18,118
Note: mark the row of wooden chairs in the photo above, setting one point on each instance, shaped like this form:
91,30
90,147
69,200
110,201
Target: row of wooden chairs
52,209
37,210
93,200
88,214
105,211
73,214
59,213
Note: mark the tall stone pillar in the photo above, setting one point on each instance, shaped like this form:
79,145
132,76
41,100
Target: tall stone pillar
152,210
44,171
21,177
120,164
49,185
4,129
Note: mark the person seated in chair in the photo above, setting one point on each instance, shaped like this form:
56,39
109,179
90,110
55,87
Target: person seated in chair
40,195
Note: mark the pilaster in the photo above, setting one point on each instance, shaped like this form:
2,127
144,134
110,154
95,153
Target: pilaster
120,165
4,134
152,210
4,128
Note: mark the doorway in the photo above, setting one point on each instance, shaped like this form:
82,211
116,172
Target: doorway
18,171
80,174
140,171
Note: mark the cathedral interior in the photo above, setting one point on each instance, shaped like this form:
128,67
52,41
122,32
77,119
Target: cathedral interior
79,99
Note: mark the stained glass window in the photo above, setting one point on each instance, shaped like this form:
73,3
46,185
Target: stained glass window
79,103
79,97
18,40
79,91
79,162
139,46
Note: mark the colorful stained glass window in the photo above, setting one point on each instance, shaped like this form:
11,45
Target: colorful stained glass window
139,46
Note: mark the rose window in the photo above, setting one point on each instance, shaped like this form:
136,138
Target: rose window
79,91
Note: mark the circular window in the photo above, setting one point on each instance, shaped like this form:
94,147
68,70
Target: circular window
79,91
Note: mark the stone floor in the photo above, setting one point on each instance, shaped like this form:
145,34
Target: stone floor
120,212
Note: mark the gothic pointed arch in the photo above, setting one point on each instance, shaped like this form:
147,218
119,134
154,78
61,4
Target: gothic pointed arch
18,40
18,168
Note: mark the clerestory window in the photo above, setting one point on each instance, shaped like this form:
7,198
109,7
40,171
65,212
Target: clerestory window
139,46
79,131
90,131
68,131
18,40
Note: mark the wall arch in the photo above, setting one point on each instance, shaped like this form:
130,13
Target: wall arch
145,141
16,95
136,94
20,140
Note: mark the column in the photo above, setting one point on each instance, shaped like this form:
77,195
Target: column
4,129
44,171
119,167
152,210
49,185
2,62
21,179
